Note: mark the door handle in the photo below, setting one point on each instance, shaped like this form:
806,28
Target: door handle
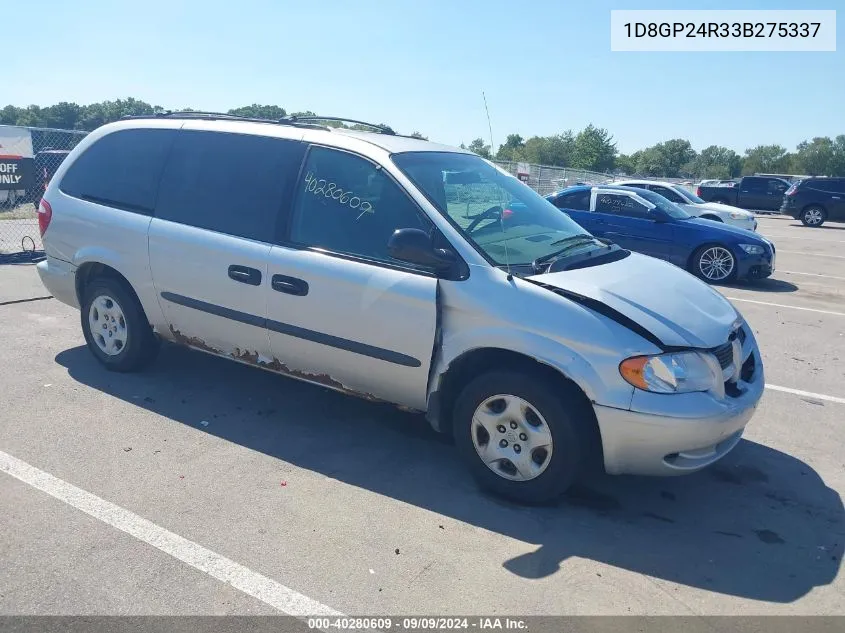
289,285
245,275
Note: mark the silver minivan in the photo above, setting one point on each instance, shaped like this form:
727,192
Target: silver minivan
403,271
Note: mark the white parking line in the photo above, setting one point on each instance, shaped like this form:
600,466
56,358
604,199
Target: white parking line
809,394
781,305
795,272
811,254
796,237
223,569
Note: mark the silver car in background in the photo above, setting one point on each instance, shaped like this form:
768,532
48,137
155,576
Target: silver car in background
695,206
398,270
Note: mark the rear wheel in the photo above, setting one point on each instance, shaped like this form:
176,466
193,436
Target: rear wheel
115,327
813,216
521,436
714,263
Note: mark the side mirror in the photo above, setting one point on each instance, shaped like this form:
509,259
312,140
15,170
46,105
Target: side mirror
414,246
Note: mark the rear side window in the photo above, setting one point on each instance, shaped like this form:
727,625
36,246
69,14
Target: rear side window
230,183
121,170
754,185
832,185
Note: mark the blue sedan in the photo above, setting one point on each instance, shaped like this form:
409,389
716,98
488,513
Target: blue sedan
646,222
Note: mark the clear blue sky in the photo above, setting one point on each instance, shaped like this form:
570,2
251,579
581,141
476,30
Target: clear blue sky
545,66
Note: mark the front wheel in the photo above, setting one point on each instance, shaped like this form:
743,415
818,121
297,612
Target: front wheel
522,437
813,216
714,264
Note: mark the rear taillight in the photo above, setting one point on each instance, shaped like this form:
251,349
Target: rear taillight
45,214
793,190
698,192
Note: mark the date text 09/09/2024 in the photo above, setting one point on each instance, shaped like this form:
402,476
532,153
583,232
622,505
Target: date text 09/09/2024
416,623
722,29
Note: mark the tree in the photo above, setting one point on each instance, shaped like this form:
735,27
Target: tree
626,164
419,136
716,162
511,149
256,111
480,148
766,159
594,149
816,157
667,159
556,150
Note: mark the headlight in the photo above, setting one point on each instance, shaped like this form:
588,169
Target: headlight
739,215
752,249
680,372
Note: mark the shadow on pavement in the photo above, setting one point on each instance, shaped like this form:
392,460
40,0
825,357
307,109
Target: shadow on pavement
760,524
763,285
825,226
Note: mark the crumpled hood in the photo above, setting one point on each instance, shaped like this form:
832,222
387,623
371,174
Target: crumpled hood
676,307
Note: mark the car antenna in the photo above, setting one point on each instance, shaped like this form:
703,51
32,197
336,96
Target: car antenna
502,216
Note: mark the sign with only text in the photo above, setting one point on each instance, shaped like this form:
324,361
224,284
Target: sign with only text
15,173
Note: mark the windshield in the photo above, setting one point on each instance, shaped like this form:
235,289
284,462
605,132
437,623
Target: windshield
669,208
687,194
504,218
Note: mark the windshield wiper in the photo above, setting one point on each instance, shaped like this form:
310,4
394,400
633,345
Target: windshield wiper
571,242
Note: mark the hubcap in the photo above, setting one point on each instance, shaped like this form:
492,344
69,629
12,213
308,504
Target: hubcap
107,325
813,216
716,263
511,437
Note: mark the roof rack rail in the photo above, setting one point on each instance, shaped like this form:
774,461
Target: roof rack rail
384,129
201,114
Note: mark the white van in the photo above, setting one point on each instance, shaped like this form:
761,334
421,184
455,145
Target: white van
398,270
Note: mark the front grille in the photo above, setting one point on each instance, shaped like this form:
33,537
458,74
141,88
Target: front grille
724,354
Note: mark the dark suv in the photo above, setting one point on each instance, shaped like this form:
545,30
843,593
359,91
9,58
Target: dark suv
815,200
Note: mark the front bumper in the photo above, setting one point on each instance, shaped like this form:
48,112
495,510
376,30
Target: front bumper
675,434
755,266
749,225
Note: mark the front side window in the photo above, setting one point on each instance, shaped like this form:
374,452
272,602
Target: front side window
777,186
577,200
229,183
505,219
669,194
346,204
620,204
121,170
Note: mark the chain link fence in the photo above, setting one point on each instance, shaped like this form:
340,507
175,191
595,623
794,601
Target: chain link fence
545,179
28,159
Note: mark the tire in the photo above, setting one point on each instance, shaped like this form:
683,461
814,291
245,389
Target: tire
561,415
127,342
711,252
813,216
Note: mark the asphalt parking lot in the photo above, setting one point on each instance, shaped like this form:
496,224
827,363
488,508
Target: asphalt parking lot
214,488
